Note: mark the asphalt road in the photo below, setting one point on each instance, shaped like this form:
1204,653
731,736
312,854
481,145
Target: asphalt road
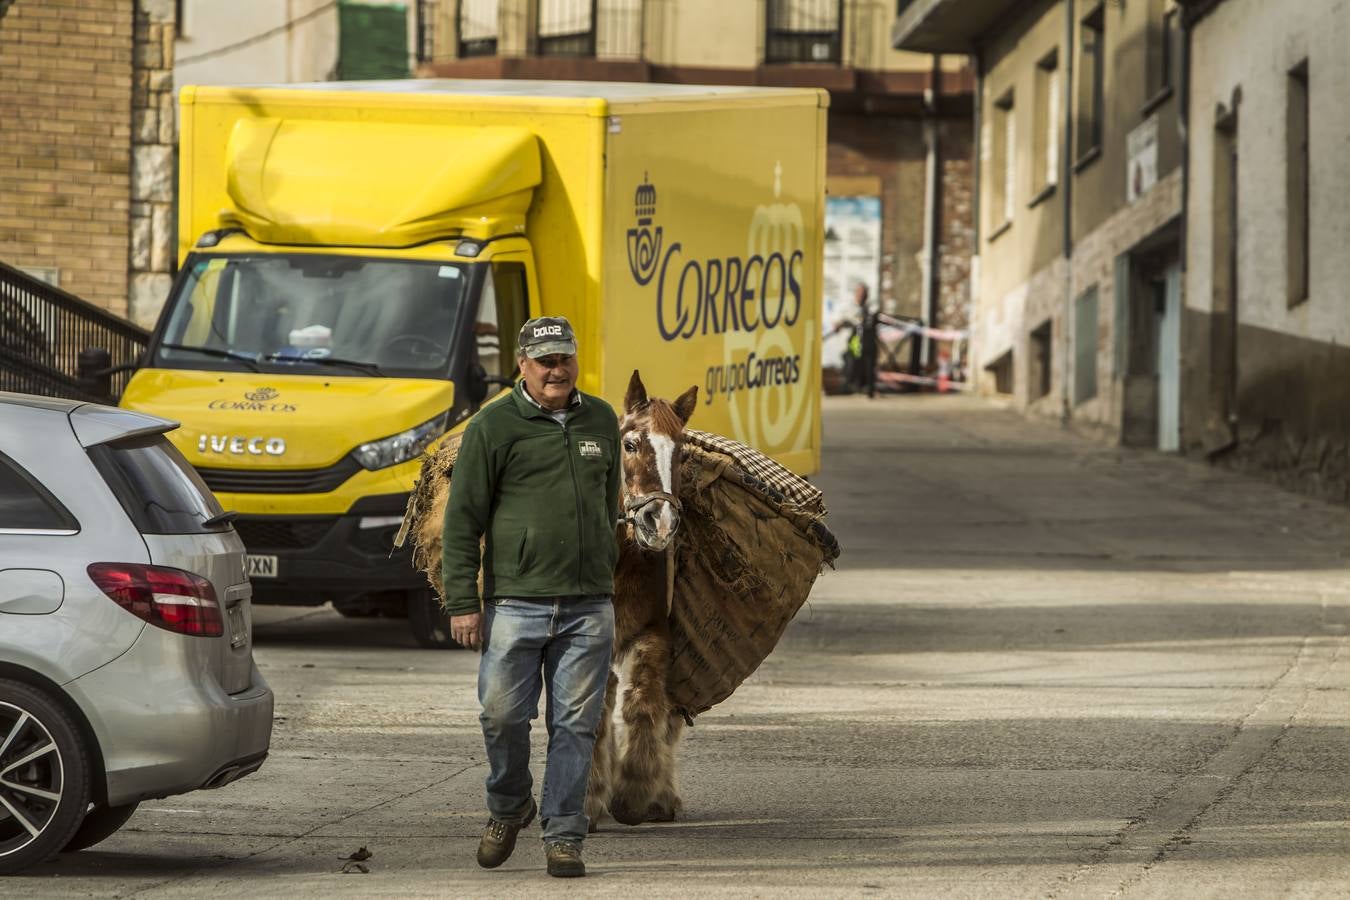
1044,668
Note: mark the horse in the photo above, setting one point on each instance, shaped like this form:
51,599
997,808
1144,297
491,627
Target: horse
635,779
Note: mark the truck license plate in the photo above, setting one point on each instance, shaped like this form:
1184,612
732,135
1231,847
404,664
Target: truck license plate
261,566
238,630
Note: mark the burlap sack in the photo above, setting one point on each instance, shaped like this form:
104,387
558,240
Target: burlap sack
747,553
746,559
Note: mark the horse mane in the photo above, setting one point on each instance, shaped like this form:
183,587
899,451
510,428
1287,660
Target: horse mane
664,418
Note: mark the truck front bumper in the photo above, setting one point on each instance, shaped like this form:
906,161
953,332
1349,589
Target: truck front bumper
319,558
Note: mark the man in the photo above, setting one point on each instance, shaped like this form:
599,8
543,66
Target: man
538,478
865,348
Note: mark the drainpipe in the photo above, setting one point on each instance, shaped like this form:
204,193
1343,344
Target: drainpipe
1184,127
932,206
1066,182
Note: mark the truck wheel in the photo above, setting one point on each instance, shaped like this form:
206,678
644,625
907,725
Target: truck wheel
430,624
44,776
100,823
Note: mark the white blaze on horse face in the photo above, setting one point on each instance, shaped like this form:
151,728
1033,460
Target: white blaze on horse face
664,447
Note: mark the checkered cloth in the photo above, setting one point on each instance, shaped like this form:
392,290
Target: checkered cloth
793,487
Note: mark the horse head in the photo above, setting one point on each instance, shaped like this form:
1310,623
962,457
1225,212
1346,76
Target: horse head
652,432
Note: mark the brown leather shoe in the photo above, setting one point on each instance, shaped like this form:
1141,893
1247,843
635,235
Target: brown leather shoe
564,859
499,839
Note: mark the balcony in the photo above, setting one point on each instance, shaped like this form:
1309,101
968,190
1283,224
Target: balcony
946,26
804,31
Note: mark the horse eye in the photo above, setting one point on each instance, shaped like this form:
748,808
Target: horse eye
630,446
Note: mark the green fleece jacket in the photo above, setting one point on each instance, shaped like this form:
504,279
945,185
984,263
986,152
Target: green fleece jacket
546,496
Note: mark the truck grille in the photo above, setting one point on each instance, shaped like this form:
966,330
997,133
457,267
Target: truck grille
280,481
282,534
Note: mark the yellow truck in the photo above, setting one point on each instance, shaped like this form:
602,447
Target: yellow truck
356,260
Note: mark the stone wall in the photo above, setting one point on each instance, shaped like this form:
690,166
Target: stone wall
956,241
154,139
66,73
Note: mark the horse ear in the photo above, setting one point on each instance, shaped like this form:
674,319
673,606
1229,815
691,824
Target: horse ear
685,403
636,397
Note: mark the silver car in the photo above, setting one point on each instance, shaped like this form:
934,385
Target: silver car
126,660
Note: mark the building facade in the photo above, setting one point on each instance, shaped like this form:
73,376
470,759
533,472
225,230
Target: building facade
899,166
87,147
1076,309
1267,325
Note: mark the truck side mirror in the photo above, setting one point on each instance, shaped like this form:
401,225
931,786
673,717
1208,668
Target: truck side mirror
479,381
93,367
477,387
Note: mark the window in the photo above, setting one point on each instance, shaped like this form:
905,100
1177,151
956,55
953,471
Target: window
1091,68
1163,47
1297,186
478,27
1046,148
503,309
160,492
1085,347
1042,348
566,28
1003,163
25,505
293,312
802,31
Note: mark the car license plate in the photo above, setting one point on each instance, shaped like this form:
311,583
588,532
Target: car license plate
238,630
262,566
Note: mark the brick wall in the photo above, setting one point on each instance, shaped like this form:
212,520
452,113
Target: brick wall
65,142
891,150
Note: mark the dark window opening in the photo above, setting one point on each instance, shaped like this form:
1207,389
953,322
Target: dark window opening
1298,226
1042,350
1002,370
1092,70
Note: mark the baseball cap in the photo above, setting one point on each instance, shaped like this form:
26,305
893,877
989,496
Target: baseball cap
546,336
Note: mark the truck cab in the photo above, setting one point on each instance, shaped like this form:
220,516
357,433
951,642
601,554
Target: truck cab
311,380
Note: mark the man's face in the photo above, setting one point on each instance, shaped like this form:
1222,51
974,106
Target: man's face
550,379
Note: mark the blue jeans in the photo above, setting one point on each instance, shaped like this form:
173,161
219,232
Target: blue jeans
564,643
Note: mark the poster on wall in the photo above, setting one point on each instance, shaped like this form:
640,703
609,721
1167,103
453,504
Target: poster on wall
852,255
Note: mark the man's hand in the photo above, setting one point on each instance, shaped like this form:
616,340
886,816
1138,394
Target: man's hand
467,630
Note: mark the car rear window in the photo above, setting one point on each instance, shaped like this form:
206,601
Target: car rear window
158,488
25,505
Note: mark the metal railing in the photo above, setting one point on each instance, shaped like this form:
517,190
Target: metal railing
45,332
804,31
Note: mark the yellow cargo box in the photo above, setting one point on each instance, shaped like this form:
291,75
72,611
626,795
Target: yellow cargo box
356,259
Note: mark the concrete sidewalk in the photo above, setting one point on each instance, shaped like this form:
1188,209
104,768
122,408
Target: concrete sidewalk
1044,668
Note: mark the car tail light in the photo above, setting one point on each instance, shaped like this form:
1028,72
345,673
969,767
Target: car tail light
168,598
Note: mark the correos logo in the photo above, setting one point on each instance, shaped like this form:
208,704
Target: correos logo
644,244
715,295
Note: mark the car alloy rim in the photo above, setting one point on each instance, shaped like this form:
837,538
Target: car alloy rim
31,778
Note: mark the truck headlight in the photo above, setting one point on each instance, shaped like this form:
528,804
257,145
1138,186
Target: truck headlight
401,447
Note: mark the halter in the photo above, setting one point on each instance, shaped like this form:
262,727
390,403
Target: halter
632,506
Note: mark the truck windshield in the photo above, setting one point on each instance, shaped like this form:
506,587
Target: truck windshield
342,315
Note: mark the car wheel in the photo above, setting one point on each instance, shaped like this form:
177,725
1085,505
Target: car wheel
100,823
44,777
430,624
